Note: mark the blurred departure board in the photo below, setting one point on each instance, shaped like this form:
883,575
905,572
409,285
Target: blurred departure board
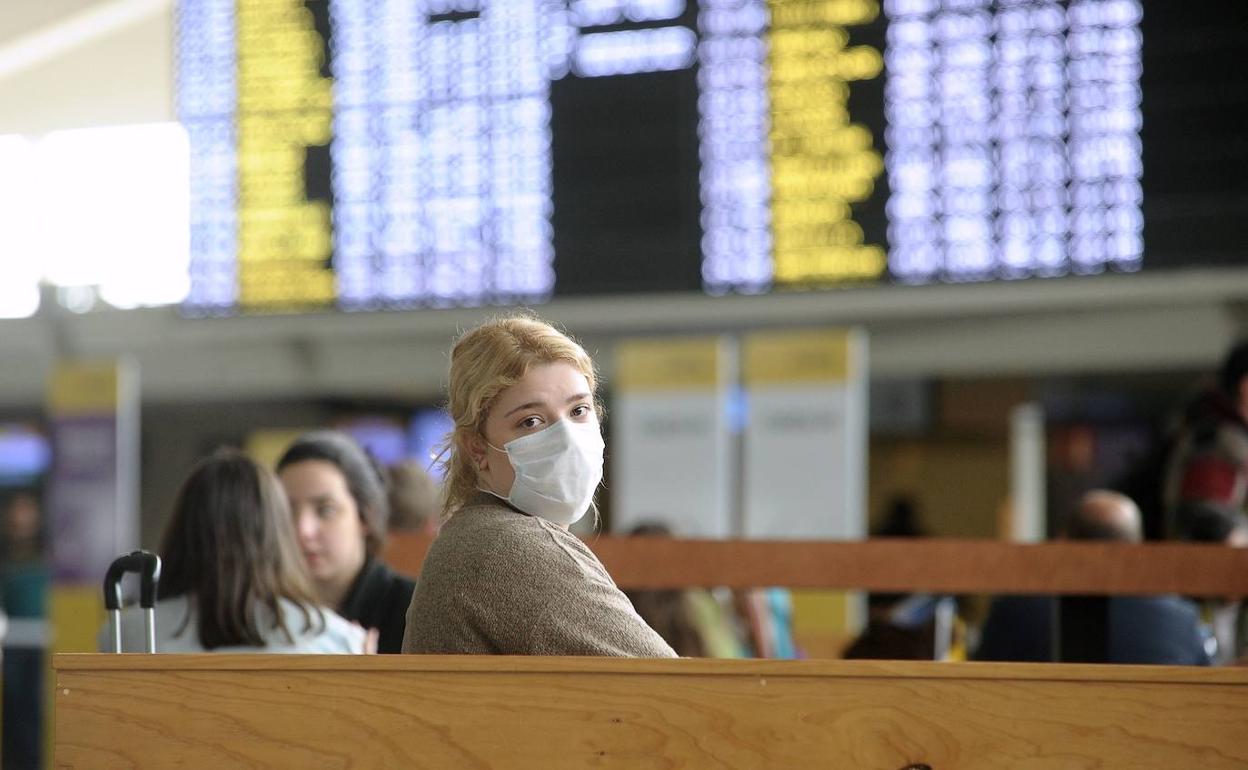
367,154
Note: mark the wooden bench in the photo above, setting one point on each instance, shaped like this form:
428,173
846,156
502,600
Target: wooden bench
204,711
507,712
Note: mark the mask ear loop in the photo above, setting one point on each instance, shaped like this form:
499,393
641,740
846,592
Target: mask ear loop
496,449
481,468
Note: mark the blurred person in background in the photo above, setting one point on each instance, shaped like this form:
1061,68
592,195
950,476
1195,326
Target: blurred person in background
765,616
901,519
907,626
1207,461
23,570
667,611
1220,524
415,500
24,578
22,530
231,576
1071,473
885,640
1161,630
337,496
691,620
1212,523
505,576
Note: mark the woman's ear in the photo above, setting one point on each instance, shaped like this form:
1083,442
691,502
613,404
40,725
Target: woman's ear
476,447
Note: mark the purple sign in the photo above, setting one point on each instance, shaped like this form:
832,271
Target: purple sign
88,529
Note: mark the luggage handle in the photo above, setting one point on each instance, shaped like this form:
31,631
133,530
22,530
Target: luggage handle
147,565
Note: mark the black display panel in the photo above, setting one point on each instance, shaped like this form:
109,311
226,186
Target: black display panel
367,154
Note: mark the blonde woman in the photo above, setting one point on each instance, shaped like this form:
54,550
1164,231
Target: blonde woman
523,461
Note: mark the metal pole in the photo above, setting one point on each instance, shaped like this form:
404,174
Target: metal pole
149,627
114,621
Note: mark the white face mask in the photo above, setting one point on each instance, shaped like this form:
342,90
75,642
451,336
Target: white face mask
557,470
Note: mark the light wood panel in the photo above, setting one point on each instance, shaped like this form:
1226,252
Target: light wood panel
499,712
933,564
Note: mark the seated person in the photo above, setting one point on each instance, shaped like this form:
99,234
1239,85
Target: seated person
337,496
415,500
694,621
505,576
1142,629
1205,522
668,611
231,576
919,627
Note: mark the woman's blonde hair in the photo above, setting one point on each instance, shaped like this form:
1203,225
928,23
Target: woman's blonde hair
486,361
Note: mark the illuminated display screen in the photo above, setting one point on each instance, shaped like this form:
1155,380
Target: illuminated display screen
368,154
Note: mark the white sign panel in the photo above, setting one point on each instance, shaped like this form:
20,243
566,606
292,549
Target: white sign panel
806,436
670,449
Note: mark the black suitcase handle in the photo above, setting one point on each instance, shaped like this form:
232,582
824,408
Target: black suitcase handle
147,565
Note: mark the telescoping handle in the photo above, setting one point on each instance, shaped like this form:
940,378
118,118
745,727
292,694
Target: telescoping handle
147,565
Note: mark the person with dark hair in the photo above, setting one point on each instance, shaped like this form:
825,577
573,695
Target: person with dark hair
1208,458
337,496
24,579
1205,522
668,611
231,578
901,519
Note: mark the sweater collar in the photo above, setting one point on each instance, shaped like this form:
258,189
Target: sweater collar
486,499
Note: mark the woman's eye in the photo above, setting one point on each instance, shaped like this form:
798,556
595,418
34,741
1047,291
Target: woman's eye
325,511
582,411
531,422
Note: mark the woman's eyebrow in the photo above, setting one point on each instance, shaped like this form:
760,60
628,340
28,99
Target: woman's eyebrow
536,404
528,405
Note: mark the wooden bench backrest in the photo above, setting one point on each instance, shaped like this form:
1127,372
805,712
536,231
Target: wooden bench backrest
938,565
503,712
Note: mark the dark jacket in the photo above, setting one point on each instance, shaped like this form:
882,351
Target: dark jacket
1161,630
379,599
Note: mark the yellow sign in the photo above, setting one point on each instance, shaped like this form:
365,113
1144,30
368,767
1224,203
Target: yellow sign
824,622
267,446
285,239
822,163
76,616
782,358
84,389
696,363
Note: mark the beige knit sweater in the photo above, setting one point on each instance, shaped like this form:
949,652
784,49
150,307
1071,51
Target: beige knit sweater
500,582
